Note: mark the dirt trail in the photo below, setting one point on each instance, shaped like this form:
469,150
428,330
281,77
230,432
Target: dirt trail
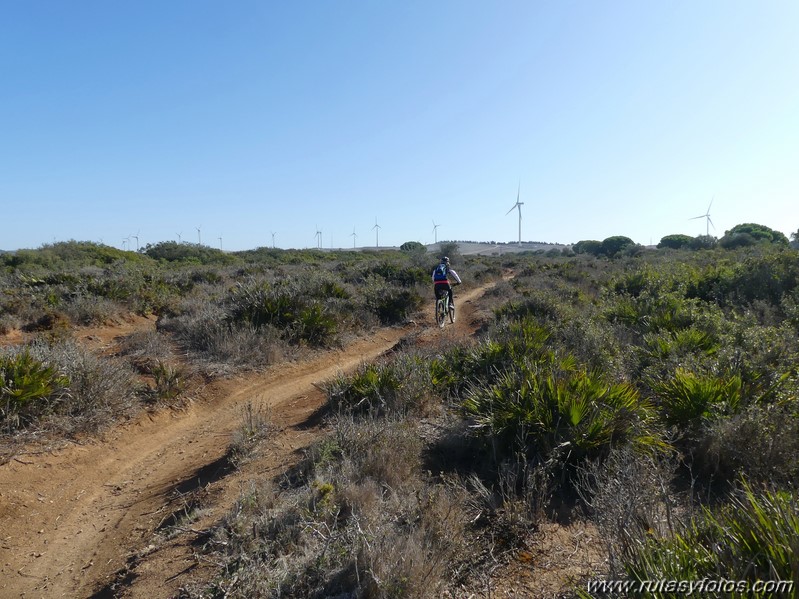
72,520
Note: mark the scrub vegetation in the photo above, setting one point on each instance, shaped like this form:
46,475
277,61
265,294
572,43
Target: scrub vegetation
652,393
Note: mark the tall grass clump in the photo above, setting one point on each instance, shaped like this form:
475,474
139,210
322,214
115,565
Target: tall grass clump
287,308
753,537
399,386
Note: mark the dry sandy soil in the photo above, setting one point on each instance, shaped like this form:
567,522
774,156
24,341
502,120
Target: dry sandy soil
103,518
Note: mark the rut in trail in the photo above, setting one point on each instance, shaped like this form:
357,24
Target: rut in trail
72,520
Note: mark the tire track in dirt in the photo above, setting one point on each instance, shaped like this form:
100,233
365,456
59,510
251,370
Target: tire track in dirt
71,520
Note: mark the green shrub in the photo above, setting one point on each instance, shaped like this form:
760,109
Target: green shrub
298,316
64,386
686,397
169,381
560,411
754,537
675,242
464,367
392,305
400,386
27,388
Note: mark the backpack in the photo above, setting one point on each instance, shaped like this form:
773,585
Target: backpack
440,273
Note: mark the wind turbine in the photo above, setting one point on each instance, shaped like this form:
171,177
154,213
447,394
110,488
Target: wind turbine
435,232
707,216
354,236
124,242
318,236
136,237
220,242
180,239
376,229
199,239
273,240
518,205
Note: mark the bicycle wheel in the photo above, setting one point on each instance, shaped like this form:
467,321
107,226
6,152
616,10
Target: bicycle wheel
441,313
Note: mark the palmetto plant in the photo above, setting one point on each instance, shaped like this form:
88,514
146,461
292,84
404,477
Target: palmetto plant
563,411
26,385
755,536
686,397
296,314
467,367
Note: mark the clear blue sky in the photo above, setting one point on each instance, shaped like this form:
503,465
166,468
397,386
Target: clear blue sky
248,117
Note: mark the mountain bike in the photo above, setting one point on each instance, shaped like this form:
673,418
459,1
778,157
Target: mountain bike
443,308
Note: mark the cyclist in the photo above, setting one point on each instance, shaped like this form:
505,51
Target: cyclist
441,274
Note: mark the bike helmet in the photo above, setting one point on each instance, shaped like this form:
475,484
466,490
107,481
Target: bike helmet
444,260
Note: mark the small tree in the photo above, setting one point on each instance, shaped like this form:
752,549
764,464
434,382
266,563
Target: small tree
675,242
413,247
613,246
451,250
759,233
703,242
588,246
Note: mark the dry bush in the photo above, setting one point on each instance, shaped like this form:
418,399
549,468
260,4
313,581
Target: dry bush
630,498
385,450
761,443
101,389
255,426
8,322
91,310
146,344
360,522
217,346
146,350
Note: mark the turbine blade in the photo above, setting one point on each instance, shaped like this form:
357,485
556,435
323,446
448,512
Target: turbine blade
511,210
711,223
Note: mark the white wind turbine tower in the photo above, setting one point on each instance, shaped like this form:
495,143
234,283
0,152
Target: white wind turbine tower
707,216
199,239
518,205
136,237
435,232
220,242
273,240
318,236
354,236
180,239
376,229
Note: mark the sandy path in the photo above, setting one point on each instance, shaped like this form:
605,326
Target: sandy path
70,520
